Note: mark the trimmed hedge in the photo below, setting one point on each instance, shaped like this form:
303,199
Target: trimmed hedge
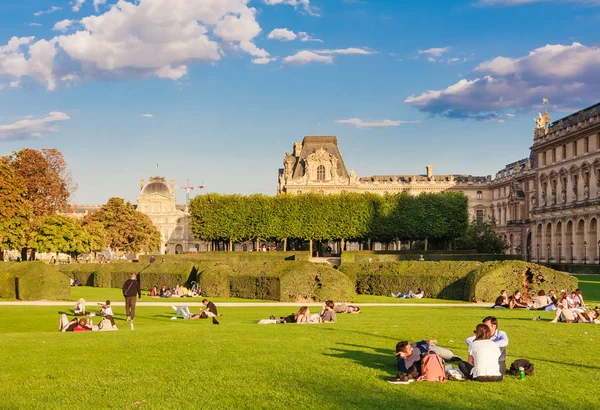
84,272
485,283
442,280
285,281
391,256
32,281
236,256
576,269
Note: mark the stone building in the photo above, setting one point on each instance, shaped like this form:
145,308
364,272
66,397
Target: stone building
157,200
567,183
316,165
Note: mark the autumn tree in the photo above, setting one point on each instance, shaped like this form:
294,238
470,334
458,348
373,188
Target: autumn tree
127,230
97,236
14,210
48,184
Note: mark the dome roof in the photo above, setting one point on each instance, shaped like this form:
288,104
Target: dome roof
156,188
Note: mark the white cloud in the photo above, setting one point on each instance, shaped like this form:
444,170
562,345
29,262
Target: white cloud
262,60
148,37
304,4
431,59
509,115
453,60
49,11
323,56
304,37
62,25
147,115
77,5
565,74
98,3
34,25
282,34
346,51
305,57
28,127
15,84
360,123
435,52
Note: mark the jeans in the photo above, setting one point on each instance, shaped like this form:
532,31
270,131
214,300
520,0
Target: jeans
130,307
184,311
465,368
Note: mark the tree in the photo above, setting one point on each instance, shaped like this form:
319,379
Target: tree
60,234
480,236
47,182
127,230
97,236
15,211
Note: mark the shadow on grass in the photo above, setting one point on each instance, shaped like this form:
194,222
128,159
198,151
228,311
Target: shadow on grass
373,359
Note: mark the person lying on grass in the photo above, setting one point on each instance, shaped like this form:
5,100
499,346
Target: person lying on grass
502,300
588,317
410,355
344,308
484,354
410,295
84,325
302,316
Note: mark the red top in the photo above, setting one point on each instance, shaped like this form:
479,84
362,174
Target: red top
80,329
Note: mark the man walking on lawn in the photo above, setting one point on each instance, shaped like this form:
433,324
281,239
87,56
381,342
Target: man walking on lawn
131,287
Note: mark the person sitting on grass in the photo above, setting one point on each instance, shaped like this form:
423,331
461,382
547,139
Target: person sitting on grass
106,310
328,313
210,309
516,301
497,336
154,292
484,354
79,308
579,298
164,292
542,302
410,295
502,300
344,308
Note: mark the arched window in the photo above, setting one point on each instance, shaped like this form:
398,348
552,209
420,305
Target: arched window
321,173
479,195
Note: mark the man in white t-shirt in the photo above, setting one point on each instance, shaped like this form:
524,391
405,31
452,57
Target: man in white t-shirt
498,336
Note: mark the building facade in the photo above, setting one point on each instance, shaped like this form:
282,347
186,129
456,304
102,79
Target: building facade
157,200
315,165
545,206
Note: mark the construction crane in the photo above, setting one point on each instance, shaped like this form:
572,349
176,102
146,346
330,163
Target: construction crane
188,190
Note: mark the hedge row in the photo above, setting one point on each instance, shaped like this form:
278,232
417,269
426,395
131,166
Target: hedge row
485,283
376,256
235,256
443,280
472,281
32,281
285,281
113,275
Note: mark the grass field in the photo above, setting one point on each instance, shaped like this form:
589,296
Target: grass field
165,364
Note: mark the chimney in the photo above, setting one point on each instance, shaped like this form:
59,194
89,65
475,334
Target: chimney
429,171
142,183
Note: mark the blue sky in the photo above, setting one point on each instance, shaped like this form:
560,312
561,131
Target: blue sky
218,90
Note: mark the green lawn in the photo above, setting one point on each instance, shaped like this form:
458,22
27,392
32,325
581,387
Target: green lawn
166,364
590,288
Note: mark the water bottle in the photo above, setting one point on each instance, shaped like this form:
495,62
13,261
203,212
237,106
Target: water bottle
521,373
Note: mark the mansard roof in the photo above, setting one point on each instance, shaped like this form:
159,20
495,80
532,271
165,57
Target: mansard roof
586,112
311,144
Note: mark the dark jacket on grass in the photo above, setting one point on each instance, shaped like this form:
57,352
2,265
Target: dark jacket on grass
131,287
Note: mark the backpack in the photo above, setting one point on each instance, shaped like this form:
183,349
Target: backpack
105,324
524,363
432,368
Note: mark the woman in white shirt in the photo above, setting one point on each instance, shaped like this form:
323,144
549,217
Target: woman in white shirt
483,356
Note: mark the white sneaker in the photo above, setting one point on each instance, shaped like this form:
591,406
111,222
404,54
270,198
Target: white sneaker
128,319
174,318
131,325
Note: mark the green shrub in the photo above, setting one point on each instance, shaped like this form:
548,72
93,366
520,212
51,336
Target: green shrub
305,281
156,274
485,283
442,280
391,256
84,272
227,257
214,281
254,287
33,281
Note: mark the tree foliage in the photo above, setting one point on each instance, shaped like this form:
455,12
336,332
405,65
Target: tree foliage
480,236
60,234
126,229
47,182
349,216
15,211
